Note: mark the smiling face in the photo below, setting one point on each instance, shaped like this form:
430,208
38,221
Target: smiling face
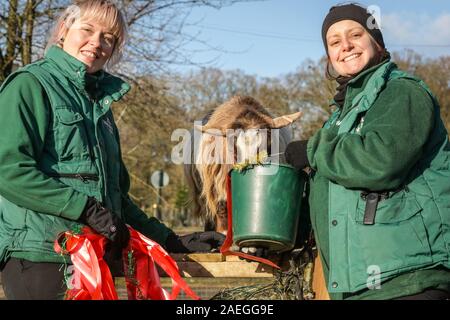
89,42
350,47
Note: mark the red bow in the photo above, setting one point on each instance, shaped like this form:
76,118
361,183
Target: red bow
92,279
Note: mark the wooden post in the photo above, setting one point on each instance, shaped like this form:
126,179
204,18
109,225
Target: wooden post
319,285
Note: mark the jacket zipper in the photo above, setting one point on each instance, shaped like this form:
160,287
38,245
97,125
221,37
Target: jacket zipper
90,147
85,177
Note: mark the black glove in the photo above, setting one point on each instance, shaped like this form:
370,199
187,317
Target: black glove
295,154
194,242
254,251
106,223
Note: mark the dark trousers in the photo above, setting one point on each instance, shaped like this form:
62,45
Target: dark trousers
429,294
26,280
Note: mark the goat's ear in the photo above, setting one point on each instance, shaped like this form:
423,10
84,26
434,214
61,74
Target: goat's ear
285,120
198,128
211,131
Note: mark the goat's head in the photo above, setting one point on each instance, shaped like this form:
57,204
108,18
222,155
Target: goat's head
236,132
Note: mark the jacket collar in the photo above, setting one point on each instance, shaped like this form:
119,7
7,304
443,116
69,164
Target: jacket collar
364,76
72,68
358,83
75,71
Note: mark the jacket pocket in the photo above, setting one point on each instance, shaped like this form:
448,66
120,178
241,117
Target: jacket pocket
396,242
70,134
399,207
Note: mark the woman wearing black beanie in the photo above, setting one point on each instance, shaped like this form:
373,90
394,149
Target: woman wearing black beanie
379,188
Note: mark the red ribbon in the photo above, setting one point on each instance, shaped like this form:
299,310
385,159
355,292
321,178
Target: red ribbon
145,284
92,277
225,249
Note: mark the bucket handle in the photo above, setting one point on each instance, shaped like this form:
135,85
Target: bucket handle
225,248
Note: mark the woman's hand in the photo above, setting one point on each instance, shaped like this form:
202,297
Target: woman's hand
296,154
194,242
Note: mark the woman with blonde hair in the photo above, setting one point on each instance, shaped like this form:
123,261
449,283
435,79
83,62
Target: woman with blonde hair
60,159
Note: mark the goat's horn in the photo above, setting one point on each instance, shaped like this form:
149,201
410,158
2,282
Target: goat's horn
285,120
208,130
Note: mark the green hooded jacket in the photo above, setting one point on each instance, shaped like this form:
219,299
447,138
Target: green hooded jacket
58,145
388,138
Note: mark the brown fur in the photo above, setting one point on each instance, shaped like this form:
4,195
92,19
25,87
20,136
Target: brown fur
208,181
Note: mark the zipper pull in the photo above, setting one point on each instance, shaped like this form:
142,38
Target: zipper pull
79,176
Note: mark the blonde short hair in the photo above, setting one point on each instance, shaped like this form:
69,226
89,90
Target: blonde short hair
104,12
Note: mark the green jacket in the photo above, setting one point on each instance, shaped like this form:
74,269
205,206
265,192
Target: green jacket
58,145
388,137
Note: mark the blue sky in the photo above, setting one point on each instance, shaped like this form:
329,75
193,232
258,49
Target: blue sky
273,37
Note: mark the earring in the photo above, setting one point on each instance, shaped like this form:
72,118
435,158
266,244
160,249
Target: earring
61,40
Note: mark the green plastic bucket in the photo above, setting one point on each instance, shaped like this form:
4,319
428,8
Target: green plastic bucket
266,203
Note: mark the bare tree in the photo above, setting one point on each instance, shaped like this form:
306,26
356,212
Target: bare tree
146,119
306,89
156,28
434,72
310,92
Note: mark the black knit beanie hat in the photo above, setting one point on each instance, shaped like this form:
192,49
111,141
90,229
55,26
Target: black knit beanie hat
355,13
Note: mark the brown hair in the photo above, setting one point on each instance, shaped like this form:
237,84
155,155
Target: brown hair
104,12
